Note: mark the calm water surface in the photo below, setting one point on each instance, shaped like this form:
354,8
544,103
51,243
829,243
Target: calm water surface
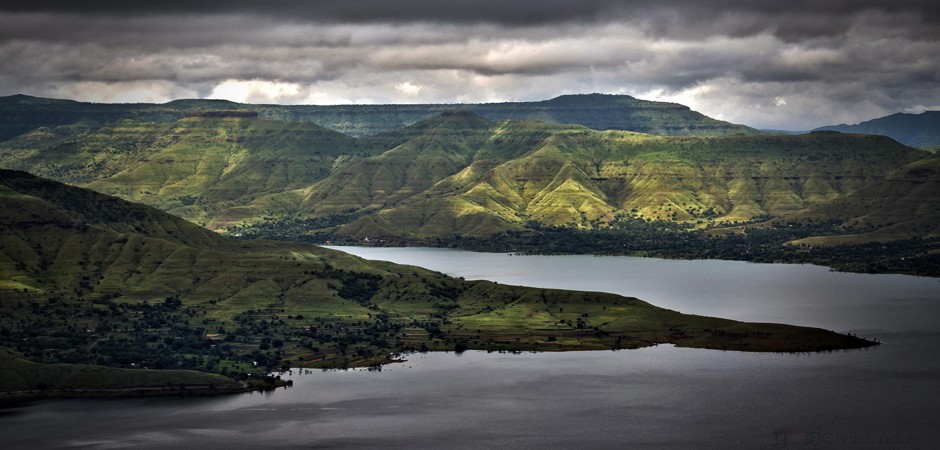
660,397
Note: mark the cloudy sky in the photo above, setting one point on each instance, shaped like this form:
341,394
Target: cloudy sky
789,64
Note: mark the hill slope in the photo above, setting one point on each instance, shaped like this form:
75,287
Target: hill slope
191,167
511,175
905,205
80,287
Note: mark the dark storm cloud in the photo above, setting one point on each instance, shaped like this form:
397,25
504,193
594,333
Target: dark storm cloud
493,11
498,11
793,64
794,20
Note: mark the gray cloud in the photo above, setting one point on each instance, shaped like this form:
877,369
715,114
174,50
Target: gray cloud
793,19
794,64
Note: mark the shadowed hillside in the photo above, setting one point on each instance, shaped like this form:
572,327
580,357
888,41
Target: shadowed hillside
615,112
192,167
905,205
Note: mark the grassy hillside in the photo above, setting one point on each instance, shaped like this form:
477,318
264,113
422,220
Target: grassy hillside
80,287
548,188
193,167
905,205
511,175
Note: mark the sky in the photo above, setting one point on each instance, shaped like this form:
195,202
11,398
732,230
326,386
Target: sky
770,64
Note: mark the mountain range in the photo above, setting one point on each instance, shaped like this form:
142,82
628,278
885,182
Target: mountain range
460,174
460,179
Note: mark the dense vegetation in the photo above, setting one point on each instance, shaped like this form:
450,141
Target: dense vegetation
755,244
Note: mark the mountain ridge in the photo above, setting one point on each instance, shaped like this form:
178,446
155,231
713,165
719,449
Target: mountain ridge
916,130
20,113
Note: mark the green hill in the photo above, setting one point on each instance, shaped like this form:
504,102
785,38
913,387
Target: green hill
905,205
615,112
192,167
22,113
442,146
80,286
511,175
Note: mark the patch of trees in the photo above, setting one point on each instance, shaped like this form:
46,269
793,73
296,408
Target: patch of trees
160,335
357,286
293,229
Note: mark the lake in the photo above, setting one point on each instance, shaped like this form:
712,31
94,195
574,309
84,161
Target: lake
885,397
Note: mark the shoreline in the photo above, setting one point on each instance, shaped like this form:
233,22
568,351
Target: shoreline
829,258
11,398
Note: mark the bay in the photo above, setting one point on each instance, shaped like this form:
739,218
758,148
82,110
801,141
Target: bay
658,397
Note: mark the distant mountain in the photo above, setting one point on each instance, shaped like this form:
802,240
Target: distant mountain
917,130
615,112
91,279
20,114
